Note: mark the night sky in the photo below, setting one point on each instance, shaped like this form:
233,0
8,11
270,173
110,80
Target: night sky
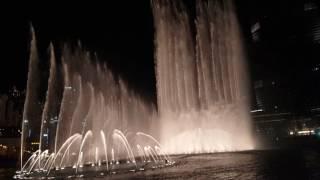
121,32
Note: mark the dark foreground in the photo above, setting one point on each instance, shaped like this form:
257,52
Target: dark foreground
269,164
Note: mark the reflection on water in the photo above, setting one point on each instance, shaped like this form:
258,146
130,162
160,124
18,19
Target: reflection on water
6,173
271,164
275,164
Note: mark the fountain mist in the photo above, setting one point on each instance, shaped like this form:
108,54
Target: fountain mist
201,78
88,114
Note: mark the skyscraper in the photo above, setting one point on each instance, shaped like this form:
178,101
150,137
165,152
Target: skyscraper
312,15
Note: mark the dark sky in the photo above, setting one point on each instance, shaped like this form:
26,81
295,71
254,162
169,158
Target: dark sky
122,33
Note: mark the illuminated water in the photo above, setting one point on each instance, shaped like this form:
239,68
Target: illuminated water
201,78
273,164
90,120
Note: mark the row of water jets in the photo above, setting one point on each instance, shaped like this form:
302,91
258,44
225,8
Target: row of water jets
83,101
73,148
202,96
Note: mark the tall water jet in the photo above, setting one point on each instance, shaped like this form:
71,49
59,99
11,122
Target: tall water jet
32,107
50,109
201,78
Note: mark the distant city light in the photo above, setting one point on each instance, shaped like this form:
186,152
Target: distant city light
310,6
256,110
53,120
315,109
255,27
254,31
315,69
306,132
303,133
3,146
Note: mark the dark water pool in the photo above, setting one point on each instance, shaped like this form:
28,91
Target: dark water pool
269,164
